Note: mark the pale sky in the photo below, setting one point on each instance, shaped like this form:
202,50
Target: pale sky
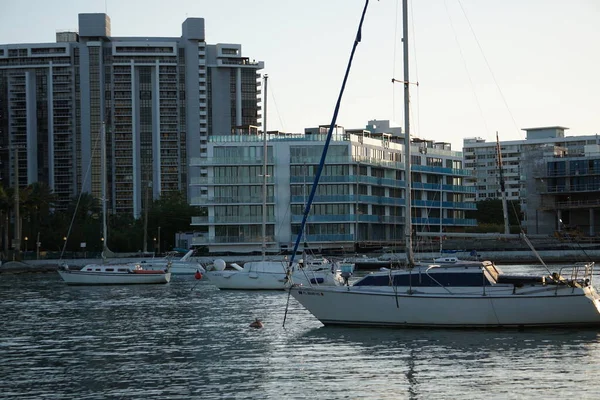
538,68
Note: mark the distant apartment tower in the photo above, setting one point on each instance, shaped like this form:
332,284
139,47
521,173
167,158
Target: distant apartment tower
482,159
359,203
564,191
159,98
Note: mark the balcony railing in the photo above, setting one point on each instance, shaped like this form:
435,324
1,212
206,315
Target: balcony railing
231,180
205,161
197,201
242,239
231,219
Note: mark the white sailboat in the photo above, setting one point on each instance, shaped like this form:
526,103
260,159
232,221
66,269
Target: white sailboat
112,274
184,266
266,274
454,296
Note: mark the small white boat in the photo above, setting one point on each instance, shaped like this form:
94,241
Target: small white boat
271,275
183,266
113,274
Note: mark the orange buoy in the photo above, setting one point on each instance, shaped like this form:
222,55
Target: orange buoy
198,275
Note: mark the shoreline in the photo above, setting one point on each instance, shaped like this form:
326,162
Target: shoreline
502,257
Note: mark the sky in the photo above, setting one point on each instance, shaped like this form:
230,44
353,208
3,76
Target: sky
482,66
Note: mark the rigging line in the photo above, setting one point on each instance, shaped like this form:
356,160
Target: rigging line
416,69
276,108
326,146
85,178
462,56
489,68
572,240
394,63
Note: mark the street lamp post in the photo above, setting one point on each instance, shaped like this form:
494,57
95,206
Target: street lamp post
37,246
26,239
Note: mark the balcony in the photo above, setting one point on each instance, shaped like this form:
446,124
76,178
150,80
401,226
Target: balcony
231,219
201,161
203,201
255,240
234,180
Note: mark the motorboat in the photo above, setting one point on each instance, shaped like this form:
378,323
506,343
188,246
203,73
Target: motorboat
113,274
453,295
271,275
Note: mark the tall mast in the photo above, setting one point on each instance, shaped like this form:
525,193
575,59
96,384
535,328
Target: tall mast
408,196
264,173
103,166
502,187
441,214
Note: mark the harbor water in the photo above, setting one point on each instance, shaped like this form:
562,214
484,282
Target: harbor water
188,340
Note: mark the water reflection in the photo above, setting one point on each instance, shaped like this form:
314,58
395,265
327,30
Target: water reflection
170,341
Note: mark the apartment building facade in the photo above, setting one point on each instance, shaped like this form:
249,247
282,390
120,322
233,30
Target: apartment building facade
359,201
481,157
159,99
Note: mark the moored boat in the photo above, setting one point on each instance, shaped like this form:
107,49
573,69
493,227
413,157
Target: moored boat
183,266
270,275
458,296
455,294
113,274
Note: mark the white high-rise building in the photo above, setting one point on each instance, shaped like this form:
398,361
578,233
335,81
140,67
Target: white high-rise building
160,99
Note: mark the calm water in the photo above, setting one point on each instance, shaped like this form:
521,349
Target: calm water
187,340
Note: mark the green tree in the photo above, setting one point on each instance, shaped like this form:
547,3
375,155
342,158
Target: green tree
37,201
490,212
172,214
5,206
82,223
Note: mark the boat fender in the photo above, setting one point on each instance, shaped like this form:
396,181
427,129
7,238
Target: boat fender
198,275
219,265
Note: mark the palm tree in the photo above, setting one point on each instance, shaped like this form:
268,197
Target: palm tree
37,202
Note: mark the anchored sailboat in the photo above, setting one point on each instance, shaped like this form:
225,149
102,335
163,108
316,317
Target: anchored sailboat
476,295
112,274
266,274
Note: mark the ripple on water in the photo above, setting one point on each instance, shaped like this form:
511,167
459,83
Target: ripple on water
169,341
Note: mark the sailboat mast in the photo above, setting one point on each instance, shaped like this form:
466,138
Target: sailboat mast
441,214
502,187
103,181
408,197
264,173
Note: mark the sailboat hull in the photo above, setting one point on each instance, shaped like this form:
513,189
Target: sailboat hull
270,275
497,307
117,278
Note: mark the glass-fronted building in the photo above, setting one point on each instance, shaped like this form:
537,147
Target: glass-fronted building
359,201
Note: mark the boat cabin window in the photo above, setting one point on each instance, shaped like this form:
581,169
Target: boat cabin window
122,269
447,279
110,269
98,269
